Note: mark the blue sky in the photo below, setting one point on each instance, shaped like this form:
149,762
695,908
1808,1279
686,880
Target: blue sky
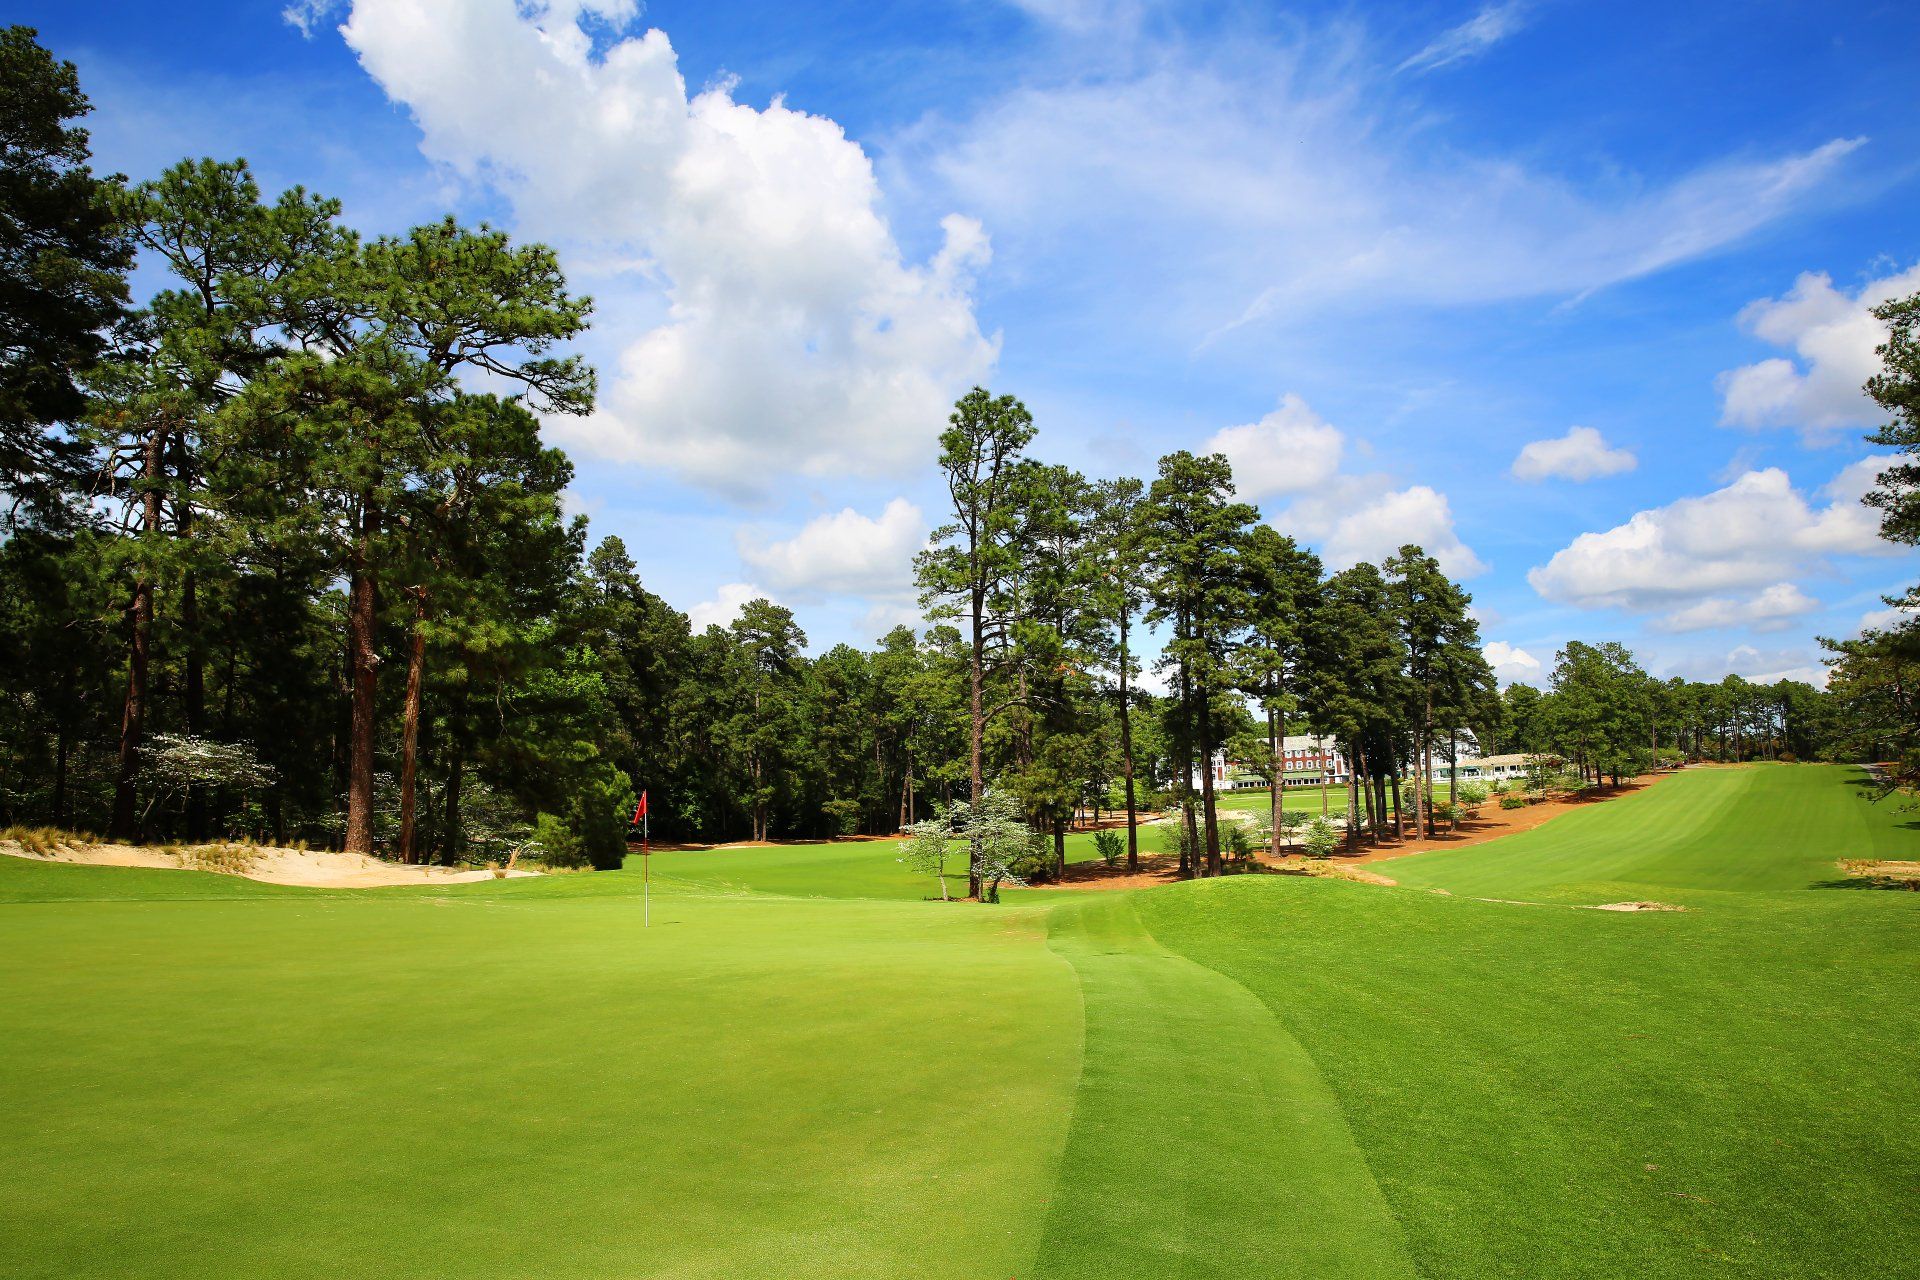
1373,252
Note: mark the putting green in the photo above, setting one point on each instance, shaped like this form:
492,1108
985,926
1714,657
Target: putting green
805,1067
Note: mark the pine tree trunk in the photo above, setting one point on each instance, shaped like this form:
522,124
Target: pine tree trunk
1207,803
977,727
61,739
1126,752
133,716
1276,739
1399,819
1189,847
192,642
363,662
410,722
1453,780
195,693
453,841
1353,797
1363,777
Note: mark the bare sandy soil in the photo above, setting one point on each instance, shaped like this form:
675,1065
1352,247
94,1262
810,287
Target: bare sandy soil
309,869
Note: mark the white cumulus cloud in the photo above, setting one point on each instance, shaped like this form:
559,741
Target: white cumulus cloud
1832,335
1773,609
1291,450
1581,454
843,553
795,337
1511,665
1353,521
1725,558
1884,619
1762,666
728,600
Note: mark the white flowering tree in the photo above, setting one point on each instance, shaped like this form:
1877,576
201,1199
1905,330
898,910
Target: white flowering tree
1003,842
175,763
928,844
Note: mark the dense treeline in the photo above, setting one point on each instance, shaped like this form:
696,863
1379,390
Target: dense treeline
276,564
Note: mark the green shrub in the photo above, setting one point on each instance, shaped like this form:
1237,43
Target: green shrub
1321,839
843,816
1239,839
597,814
1109,846
559,846
1175,838
1513,802
1033,865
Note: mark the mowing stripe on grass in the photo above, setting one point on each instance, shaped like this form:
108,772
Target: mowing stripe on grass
1761,829
1204,1140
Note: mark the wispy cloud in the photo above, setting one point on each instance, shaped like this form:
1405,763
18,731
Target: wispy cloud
1494,23
308,15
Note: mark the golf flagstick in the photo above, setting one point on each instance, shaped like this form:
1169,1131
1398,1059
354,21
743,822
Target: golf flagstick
645,819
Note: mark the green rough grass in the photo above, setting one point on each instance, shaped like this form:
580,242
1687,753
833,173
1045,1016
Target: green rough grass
806,1068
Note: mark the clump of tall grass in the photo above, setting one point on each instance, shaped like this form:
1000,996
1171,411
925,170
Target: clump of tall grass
46,841
231,857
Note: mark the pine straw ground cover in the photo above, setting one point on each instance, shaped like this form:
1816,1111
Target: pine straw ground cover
806,1068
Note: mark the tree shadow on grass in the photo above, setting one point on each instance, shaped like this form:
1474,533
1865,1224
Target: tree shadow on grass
1891,883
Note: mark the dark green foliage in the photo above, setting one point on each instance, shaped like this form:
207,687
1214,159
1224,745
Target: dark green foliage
65,249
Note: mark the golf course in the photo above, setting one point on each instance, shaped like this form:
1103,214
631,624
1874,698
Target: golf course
804,1066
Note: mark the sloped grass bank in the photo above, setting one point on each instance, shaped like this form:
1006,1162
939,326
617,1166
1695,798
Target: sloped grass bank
1204,1140
1548,1091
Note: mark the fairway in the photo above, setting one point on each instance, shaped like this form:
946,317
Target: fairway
804,1067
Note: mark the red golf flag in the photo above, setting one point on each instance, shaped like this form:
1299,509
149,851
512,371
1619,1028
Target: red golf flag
640,811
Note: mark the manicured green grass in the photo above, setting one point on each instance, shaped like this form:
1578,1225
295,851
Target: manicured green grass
521,1082
805,1068
1296,799
1543,1089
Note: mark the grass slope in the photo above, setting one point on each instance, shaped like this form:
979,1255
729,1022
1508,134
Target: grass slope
1192,1099
1762,828
1550,1090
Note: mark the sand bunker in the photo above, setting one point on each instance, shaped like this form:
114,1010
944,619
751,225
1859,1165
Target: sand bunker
309,869
1638,906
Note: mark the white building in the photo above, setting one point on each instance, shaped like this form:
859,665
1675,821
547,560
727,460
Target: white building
1306,761
1489,768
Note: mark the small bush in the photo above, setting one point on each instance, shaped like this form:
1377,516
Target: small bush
559,847
1513,802
1033,866
1175,838
843,816
1787,757
1469,796
1109,846
1321,839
